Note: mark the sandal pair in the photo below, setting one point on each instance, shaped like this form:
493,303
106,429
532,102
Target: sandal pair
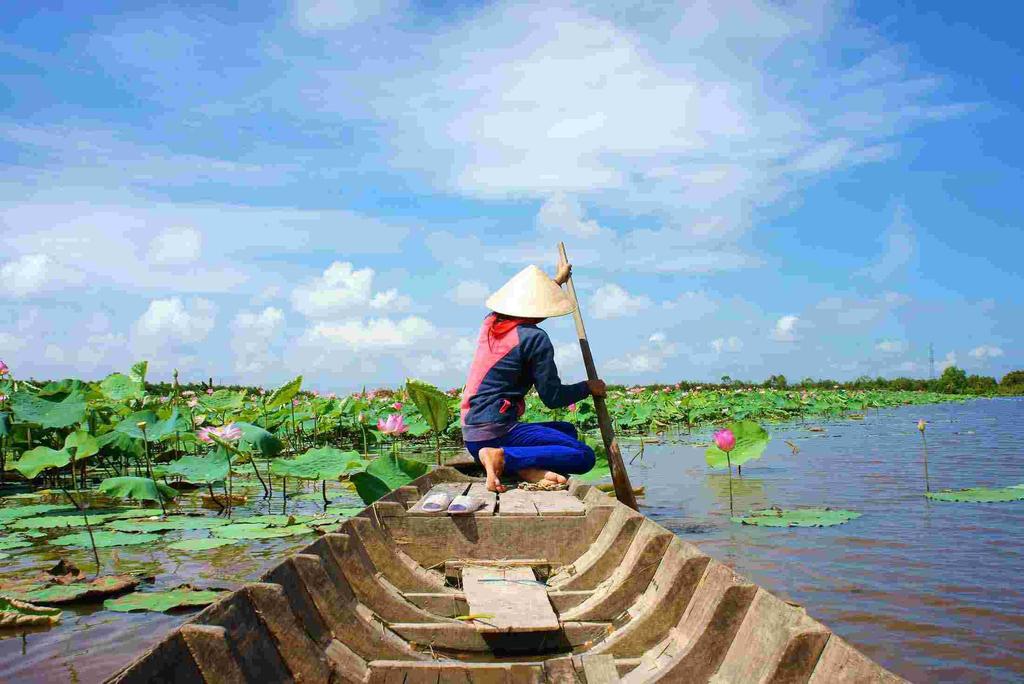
460,505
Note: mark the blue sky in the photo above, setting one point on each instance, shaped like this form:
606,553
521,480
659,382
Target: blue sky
745,188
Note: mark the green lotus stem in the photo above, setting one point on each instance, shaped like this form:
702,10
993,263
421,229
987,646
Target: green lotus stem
924,444
324,492
284,495
209,485
85,516
729,462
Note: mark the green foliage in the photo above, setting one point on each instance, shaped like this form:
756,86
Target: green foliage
798,517
384,474
257,438
119,387
162,601
431,402
980,494
325,463
174,522
285,393
138,488
49,412
39,459
602,469
198,469
84,445
223,401
156,429
751,441
104,539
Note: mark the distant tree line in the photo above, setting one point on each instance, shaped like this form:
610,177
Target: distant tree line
952,381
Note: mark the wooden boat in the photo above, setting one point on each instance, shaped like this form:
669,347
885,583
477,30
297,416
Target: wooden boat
566,586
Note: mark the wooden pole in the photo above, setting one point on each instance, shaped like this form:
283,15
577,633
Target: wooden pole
620,478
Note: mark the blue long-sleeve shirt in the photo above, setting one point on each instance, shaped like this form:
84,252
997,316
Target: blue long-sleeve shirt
504,369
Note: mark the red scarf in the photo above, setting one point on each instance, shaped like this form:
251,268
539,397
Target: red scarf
501,325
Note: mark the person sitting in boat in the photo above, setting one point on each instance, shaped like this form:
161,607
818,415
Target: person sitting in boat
513,355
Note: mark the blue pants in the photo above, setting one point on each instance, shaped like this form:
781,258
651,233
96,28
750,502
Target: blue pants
548,446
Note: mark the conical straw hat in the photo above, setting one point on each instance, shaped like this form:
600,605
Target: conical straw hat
530,294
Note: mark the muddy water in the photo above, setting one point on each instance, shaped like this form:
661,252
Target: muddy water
931,590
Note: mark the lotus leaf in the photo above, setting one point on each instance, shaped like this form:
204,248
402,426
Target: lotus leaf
799,517
384,474
39,459
175,522
84,444
80,592
285,393
120,387
13,542
45,522
223,401
199,469
156,429
138,488
267,444
325,463
119,444
275,520
48,413
751,440
201,544
4,556
259,531
138,372
5,424
14,512
104,539
980,494
163,601
15,613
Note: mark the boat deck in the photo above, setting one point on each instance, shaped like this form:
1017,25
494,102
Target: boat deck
535,587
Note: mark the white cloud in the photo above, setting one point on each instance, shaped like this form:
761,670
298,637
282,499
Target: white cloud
636,363
657,338
470,293
949,360
334,15
430,366
252,337
390,300
25,275
899,248
785,329
341,288
726,344
986,351
373,335
612,301
168,324
891,346
180,245
562,213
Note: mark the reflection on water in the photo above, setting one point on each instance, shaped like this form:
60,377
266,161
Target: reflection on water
929,589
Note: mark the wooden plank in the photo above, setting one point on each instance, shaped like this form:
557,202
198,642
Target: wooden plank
479,490
600,669
452,488
513,596
516,502
557,503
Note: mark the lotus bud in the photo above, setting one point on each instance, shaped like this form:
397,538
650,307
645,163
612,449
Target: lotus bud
4,370
920,425
725,440
141,425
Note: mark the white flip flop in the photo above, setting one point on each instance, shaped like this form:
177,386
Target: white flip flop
435,503
463,505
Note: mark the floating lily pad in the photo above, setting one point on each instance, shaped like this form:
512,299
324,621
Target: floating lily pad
138,488
15,613
258,531
162,601
201,544
81,592
199,469
46,522
980,494
4,556
12,542
105,539
275,520
15,512
798,517
177,522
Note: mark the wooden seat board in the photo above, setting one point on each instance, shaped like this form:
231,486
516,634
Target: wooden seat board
451,488
479,490
516,502
557,503
513,598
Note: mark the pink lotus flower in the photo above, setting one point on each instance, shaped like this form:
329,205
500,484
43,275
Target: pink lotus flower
572,407
209,391
262,391
296,402
4,370
3,398
332,395
397,406
188,393
315,393
229,433
193,402
725,440
394,424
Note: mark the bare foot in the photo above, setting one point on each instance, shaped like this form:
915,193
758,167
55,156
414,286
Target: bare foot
493,460
555,477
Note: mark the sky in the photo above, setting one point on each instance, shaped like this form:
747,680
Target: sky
745,188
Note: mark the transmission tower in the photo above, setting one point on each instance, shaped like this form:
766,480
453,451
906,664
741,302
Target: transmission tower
931,361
